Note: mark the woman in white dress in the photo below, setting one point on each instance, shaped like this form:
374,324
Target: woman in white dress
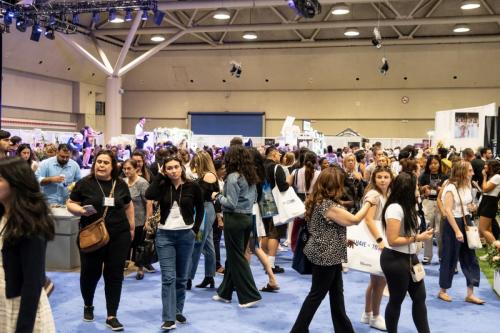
25,228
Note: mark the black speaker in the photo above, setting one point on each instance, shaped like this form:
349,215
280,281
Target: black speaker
491,131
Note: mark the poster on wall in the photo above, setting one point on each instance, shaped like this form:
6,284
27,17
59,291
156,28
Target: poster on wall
466,125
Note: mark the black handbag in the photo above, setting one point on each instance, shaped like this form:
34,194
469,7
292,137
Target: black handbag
300,261
145,252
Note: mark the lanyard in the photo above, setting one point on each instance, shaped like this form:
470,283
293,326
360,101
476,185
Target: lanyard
104,195
171,197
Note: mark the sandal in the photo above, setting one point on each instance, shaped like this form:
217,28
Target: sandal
426,261
474,300
444,296
139,276
270,289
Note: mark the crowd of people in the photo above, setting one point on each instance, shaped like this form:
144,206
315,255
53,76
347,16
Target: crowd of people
185,200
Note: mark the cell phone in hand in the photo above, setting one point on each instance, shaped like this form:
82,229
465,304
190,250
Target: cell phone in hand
90,209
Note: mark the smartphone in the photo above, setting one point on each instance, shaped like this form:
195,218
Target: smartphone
90,209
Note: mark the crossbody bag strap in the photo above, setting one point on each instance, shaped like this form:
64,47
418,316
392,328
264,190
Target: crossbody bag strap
462,208
110,195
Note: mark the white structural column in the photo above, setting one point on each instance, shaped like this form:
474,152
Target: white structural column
113,107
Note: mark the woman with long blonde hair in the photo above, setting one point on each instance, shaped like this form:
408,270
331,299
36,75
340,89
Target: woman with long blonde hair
458,205
207,179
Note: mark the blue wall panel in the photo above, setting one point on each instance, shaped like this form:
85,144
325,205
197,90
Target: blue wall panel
227,123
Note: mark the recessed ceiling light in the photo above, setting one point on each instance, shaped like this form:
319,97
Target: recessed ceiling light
340,9
250,35
460,28
222,14
470,4
351,32
117,19
157,38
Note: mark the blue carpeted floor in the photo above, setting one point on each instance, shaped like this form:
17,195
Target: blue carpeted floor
140,308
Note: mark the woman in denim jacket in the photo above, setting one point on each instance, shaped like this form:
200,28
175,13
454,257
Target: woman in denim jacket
237,201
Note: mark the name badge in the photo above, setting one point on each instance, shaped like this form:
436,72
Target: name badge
433,192
109,202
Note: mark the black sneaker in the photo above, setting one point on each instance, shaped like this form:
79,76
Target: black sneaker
88,313
149,268
168,325
278,270
114,324
180,318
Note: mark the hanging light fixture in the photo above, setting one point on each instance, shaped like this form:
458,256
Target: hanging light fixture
250,35
351,32
115,18
222,14
470,4
157,38
340,9
461,28
144,15
128,15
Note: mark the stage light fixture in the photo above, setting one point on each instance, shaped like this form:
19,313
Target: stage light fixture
461,28
305,8
21,24
128,15
351,32
96,17
340,9
377,38
157,38
112,15
470,4
50,33
76,18
158,17
222,14
250,35
52,19
36,32
7,20
144,15
235,69
385,66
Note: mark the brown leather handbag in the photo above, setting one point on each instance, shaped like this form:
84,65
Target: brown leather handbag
95,235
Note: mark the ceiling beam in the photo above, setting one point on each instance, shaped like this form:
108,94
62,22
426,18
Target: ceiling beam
314,25
284,20
429,13
126,45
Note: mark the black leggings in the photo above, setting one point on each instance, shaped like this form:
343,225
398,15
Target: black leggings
396,268
112,256
217,233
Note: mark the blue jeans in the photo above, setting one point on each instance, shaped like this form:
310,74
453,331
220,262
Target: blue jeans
206,245
174,248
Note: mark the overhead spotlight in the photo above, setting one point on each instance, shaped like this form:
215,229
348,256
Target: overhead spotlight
157,38
21,24
158,18
50,33
305,8
52,19
114,18
385,66
250,35
36,32
351,32
461,28
235,69
470,4
222,14
76,18
128,15
7,19
96,17
10,14
144,16
377,38
340,9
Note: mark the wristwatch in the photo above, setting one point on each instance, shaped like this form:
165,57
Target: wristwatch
379,240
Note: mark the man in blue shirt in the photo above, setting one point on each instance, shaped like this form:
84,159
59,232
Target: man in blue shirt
56,173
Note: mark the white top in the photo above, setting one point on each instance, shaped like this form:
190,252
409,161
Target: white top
174,220
465,195
380,203
495,180
395,211
299,180
139,131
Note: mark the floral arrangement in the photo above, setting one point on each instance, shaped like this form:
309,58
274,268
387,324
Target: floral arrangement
493,257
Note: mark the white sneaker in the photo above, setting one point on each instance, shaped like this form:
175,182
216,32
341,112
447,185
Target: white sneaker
345,269
378,322
249,304
217,298
366,317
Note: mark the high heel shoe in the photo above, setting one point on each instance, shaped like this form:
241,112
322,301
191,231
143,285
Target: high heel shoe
206,281
188,284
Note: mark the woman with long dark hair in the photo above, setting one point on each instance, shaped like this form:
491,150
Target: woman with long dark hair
489,203
400,222
103,188
237,201
144,171
326,248
26,153
181,210
25,227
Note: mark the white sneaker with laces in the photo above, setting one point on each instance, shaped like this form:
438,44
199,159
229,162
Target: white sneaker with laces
366,317
220,299
249,304
378,322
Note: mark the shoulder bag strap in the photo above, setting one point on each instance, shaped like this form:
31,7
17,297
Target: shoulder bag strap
462,208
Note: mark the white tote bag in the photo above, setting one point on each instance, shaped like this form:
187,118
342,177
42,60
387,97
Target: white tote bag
365,255
473,239
289,204
261,231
